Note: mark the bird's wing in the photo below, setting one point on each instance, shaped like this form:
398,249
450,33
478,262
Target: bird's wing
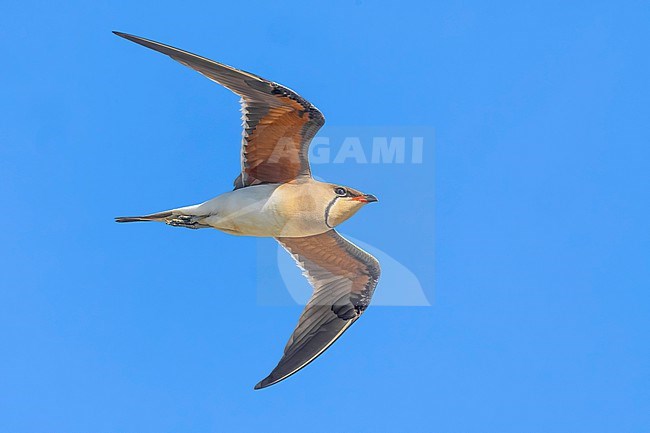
344,278
278,123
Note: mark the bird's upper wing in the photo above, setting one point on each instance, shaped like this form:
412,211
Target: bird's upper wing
344,278
278,123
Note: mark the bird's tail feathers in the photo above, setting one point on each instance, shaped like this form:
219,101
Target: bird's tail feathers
160,216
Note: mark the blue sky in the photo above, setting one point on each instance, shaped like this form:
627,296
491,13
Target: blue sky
526,223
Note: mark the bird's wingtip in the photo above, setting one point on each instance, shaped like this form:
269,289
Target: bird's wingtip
125,35
264,383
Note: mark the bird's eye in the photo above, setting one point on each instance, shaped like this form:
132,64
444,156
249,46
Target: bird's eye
340,191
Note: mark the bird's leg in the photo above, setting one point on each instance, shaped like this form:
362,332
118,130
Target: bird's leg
187,221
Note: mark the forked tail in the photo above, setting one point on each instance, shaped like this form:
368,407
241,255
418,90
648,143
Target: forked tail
160,216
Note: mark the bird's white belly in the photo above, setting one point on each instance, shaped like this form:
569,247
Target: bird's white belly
262,210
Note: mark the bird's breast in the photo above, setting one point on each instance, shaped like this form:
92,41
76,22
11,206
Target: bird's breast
270,210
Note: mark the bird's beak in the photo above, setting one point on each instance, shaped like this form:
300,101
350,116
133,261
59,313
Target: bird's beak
366,198
370,198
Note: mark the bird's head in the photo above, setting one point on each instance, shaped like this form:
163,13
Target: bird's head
343,203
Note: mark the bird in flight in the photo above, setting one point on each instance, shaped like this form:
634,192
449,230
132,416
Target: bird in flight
276,196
